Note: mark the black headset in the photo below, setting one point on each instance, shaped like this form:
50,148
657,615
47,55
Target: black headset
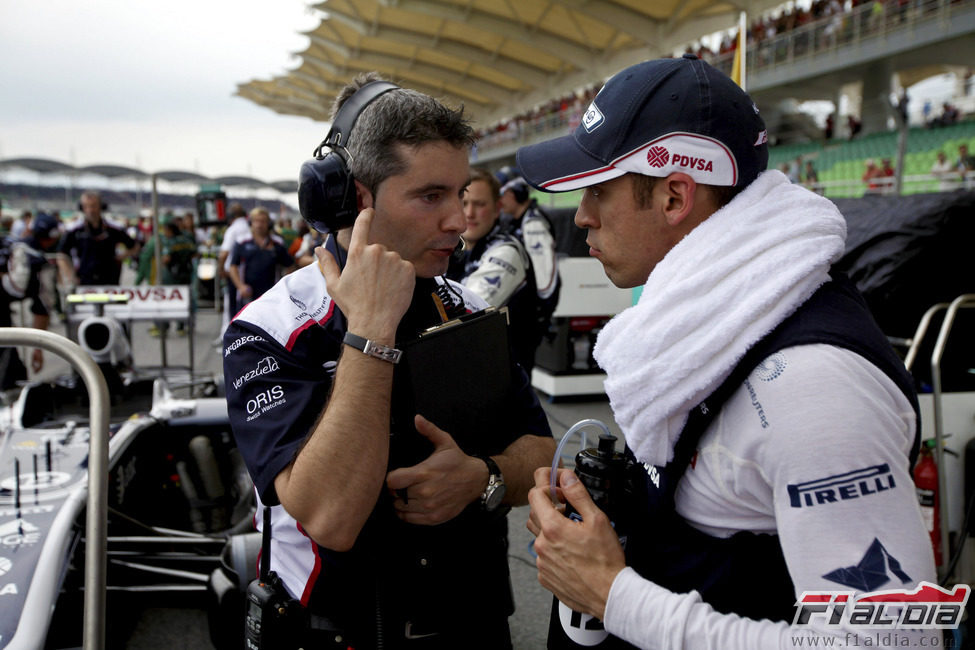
326,188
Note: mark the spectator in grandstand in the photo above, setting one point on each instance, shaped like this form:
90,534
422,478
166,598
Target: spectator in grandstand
794,170
257,259
748,371
885,179
871,176
828,130
944,171
93,249
965,162
949,114
854,125
496,266
811,176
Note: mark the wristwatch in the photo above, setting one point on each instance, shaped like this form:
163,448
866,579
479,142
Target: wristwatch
372,349
494,491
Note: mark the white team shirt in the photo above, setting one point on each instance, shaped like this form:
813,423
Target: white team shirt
813,447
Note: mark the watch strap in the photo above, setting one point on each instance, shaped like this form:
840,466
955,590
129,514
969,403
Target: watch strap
495,483
372,349
493,469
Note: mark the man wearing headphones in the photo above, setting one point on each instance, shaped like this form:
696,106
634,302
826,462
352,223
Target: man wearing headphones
496,266
389,529
93,246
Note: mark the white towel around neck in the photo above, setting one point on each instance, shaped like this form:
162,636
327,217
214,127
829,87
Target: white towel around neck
729,282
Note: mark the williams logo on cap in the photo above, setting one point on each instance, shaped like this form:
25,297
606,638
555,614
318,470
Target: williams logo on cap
593,118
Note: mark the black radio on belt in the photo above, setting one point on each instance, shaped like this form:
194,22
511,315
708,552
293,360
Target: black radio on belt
273,618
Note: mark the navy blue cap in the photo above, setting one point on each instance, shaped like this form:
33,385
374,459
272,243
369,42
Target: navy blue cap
656,118
45,226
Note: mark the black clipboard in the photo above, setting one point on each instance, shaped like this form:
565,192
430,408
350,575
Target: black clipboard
460,375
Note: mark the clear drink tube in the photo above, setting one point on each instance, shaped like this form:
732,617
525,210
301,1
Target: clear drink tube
578,426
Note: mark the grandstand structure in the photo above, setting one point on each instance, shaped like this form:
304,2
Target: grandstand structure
869,57
526,73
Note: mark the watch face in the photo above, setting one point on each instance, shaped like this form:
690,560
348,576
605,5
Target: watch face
494,496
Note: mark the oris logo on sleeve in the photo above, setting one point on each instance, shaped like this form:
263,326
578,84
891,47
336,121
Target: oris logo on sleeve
264,402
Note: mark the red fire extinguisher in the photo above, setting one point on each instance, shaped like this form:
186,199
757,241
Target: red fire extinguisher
926,483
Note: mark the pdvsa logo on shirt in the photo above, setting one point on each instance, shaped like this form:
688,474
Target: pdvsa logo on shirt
842,487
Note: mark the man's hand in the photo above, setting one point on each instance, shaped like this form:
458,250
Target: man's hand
374,289
439,488
577,560
245,291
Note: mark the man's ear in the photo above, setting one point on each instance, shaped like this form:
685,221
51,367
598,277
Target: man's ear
677,193
364,197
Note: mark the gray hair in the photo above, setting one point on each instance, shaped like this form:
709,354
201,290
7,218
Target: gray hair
397,117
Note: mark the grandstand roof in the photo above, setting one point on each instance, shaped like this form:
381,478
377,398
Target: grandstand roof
113,171
495,57
48,166
245,181
42,165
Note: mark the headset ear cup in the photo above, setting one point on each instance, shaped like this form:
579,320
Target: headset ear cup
326,193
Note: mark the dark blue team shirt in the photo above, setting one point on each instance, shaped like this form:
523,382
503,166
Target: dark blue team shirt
93,250
259,264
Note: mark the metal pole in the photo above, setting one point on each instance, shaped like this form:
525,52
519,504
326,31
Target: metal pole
157,249
96,522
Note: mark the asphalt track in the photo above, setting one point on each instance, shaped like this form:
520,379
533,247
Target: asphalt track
160,626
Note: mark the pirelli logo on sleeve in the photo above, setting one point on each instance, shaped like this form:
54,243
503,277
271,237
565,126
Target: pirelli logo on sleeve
842,487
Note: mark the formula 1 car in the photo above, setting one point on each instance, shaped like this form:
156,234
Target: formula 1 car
177,491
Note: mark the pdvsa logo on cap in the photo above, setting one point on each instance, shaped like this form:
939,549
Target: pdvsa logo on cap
657,156
593,118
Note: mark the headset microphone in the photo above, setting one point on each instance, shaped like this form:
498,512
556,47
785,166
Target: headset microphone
459,249
326,189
